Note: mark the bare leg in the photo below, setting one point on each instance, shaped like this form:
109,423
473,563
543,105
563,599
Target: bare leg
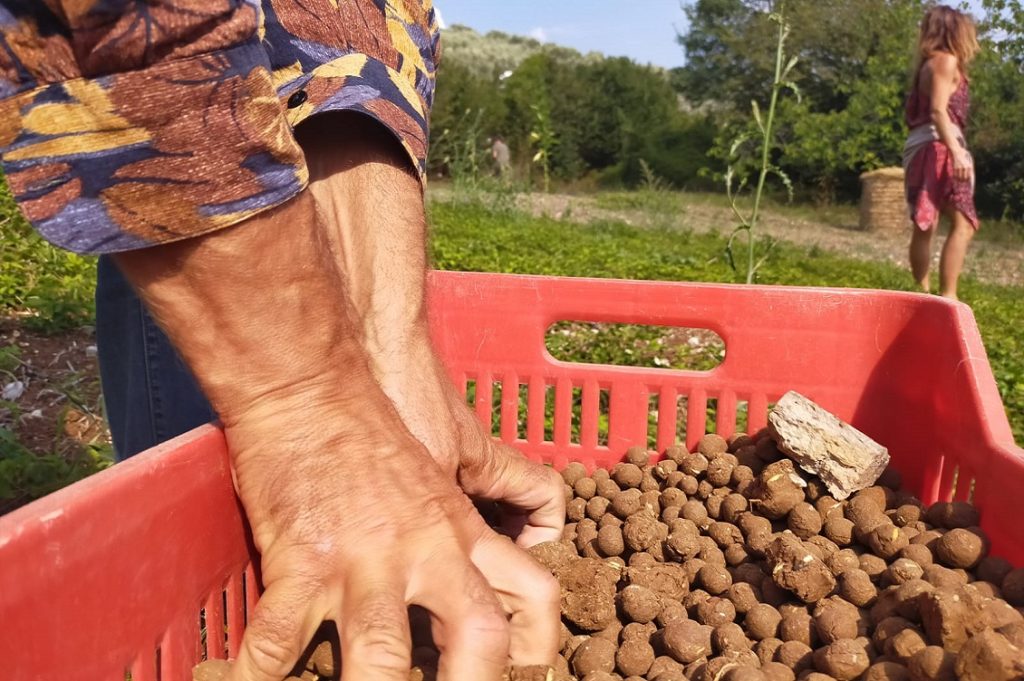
953,252
921,255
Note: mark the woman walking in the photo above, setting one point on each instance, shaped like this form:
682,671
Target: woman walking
938,169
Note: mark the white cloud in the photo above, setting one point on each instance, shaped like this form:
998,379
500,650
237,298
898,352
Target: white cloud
539,33
440,19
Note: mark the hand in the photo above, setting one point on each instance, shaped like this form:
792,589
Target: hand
531,495
963,165
354,523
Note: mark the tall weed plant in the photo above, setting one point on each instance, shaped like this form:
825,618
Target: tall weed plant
765,135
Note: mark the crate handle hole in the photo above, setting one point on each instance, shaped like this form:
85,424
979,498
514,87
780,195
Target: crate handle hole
635,345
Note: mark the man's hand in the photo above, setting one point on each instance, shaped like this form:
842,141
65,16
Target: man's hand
353,519
373,209
359,527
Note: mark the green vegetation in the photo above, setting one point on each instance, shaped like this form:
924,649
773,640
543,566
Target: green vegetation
51,289
26,475
606,115
766,134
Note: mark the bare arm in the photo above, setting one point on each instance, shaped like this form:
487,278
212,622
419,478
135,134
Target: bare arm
941,78
382,257
352,518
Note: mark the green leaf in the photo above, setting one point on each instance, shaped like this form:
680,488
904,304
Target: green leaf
757,115
789,66
792,87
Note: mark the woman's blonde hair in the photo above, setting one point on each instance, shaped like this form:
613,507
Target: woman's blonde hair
945,29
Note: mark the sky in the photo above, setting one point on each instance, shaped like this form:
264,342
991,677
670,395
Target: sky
643,30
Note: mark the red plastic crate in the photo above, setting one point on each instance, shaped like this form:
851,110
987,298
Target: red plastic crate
119,571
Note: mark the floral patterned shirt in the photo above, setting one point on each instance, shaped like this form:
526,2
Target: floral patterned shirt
129,123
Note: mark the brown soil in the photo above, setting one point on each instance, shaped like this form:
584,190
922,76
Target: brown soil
60,409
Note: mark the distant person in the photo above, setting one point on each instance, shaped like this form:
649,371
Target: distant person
502,157
938,168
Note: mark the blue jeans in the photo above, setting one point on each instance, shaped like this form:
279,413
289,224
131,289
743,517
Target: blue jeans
149,394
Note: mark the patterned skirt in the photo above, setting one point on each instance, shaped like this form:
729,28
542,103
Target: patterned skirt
931,186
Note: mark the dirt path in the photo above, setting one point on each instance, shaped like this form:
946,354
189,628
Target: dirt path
987,262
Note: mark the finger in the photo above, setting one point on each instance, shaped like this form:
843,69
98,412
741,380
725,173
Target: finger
373,627
528,593
470,628
535,490
283,622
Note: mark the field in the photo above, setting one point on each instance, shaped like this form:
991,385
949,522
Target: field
51,422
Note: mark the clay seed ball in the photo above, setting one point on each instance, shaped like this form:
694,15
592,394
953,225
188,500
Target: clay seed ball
835,619
607,488
634,657
958,514
715,612
640,531
796,655
902,570
729,637
627,475
639,603
585,488
839,530
714,579
907,514
905,644
553,554
886,540
593,655
576,510
918,553
762,622
776,671
843,660
711,445
960,548
626,503
637,455
804,521
695,512
856,586
573,472
742,596
686,641
766,649
886,671
597,507
610,541
724,533
932,664
1013,587
994,569
672,497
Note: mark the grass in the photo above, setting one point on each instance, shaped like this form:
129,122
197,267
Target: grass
49,289
844,215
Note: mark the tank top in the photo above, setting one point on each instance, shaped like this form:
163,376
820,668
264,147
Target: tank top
919,107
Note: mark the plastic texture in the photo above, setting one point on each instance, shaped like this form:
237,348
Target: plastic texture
147,567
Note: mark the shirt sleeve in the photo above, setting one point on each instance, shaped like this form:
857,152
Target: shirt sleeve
129,124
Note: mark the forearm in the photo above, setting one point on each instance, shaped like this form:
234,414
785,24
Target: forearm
373,212
256,310
946,129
